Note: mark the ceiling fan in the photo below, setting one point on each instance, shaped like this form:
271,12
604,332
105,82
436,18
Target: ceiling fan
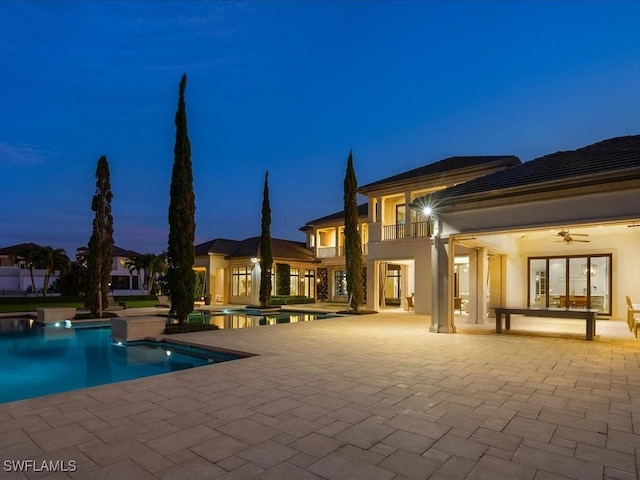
569,237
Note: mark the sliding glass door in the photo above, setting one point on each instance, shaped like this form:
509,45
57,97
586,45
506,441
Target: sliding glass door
570,282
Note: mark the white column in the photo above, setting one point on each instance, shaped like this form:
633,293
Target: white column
478,271
372,286
440,319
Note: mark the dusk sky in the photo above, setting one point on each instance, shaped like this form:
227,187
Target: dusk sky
287,87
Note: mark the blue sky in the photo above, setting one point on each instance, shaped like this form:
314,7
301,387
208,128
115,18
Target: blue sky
287,87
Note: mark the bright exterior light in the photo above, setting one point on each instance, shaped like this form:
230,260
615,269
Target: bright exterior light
427,211
168,353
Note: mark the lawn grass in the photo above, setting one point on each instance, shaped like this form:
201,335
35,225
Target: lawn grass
31,306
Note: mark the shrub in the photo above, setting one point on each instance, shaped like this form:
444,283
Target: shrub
188,327
289,300
283,279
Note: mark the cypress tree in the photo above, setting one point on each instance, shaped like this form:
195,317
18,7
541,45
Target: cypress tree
352,245
100,255
266,256
180,251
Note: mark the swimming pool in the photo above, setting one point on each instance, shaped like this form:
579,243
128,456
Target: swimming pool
36,360
254,318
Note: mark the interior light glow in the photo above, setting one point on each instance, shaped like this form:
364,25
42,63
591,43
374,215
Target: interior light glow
427,211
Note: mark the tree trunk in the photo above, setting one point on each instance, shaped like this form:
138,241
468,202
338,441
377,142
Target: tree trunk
33,281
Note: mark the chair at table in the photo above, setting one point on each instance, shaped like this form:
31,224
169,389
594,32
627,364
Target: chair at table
633,322
597,302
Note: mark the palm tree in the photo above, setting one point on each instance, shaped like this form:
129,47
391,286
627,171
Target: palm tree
137,264
156,265
52,259
28,255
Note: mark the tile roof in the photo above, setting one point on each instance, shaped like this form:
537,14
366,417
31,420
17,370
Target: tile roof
217,245
117,252
12,249
363,211
122,252
443,167
620,155
250,247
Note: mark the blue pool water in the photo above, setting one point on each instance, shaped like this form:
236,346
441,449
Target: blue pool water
37,360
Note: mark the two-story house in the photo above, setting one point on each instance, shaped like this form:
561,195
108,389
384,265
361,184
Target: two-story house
125,280
463,235
16,279
400,237
325,238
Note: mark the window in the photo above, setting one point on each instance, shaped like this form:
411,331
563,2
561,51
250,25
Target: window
340,282
241,281
392,284
120,282
294,281
309,283
572,281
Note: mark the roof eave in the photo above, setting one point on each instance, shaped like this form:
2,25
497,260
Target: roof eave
436,178
561,185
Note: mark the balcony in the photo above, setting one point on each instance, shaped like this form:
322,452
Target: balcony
329,252
326,252
400,231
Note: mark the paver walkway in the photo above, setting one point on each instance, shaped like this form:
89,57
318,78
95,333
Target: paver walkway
370,397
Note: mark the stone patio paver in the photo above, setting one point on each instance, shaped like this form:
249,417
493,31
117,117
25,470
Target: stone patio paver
369,397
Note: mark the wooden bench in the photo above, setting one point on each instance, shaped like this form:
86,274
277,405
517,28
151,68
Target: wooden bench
587,314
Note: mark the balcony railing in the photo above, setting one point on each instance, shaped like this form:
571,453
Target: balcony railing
393,232
421,229
399,231
328,252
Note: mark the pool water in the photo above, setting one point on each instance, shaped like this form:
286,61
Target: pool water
252,318
37,360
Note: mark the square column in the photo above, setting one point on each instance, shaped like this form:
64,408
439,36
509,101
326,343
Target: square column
478,270
441,321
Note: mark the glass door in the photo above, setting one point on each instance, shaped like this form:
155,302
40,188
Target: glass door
571,282
309,283
538,283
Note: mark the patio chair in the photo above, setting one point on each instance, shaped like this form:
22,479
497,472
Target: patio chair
409,304
633,323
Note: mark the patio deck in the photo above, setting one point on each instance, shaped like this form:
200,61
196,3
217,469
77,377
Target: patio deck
369,397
